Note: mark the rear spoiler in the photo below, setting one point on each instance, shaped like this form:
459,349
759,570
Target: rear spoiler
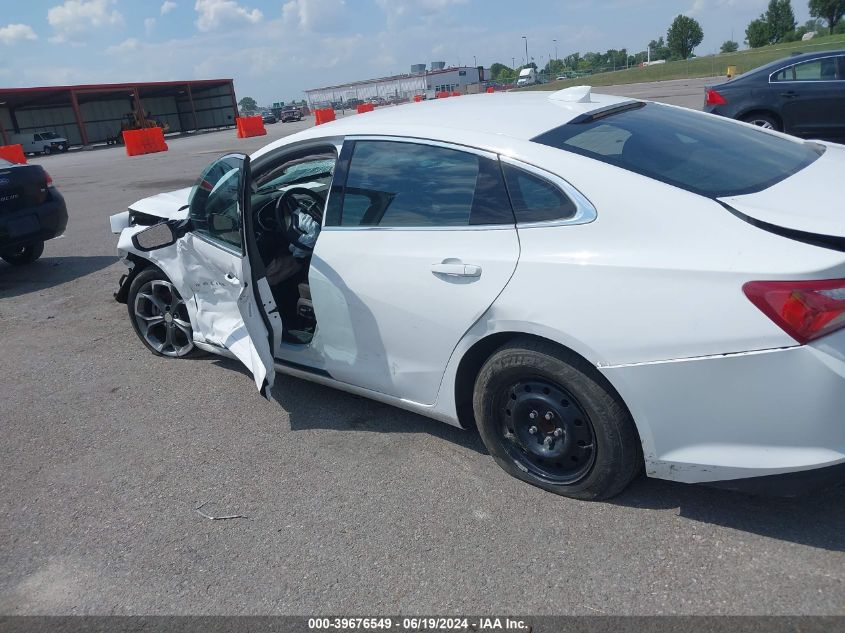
831,242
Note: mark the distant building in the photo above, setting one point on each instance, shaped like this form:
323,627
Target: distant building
418,82
95,113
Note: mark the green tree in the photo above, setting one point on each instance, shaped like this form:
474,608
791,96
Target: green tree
730,47
815,24
554,68
757,33
248,104
830,10
658,49
683,36
500,72
780,19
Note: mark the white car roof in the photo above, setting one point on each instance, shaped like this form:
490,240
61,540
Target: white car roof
519,115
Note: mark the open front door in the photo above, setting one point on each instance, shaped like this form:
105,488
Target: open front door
235,308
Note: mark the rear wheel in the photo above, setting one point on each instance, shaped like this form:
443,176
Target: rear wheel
550,419
160,316
24,254
765,121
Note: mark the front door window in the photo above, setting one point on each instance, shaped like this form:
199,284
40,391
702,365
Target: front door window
216,202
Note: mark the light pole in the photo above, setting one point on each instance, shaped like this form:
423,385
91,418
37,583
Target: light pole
474,61
555,41
526,49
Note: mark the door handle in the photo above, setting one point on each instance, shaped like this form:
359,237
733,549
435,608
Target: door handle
232,279
791,94
456,269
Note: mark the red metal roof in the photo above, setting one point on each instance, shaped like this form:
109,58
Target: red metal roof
110,87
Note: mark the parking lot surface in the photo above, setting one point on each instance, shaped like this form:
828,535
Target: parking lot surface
683,92
351,507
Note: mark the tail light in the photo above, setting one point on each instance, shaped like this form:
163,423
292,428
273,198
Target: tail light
714,98
48,178
806,310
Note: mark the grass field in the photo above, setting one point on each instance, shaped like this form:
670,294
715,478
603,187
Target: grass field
709,66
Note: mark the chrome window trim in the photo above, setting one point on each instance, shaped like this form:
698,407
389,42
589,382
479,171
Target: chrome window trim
806,81
585,212
469,227
469,149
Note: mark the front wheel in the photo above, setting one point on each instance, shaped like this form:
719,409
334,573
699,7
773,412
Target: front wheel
550,419
47,150
160,316
24,254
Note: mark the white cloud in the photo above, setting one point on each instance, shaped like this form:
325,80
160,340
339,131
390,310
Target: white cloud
397,9
216,13
76,17
13,33
314,15
149,26
168,6
130,44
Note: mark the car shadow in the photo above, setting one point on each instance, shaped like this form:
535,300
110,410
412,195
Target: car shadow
814,519
48,272
313,406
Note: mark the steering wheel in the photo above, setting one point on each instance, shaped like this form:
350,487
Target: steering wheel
289,202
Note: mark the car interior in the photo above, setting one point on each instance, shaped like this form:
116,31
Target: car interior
288,201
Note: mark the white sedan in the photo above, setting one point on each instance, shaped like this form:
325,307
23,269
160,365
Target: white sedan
598,284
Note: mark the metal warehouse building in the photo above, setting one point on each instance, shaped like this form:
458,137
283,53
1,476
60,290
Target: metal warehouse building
93,113
418,82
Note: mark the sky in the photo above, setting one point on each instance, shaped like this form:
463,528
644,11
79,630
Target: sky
275,49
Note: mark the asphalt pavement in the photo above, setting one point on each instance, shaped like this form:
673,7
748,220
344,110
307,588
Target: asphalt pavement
350,506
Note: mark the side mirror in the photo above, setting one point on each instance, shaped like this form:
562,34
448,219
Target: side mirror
157,236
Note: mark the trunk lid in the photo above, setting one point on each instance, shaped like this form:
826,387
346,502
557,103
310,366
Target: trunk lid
22,186
808,202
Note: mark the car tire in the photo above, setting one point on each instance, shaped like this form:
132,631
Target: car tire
550,419
766,121
24,255
151,298
47,150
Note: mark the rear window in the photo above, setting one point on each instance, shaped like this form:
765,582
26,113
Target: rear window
705,155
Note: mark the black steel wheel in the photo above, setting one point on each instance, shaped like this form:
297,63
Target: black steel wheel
551,419
545,429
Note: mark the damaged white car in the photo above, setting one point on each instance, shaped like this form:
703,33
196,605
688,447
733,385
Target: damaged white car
598,284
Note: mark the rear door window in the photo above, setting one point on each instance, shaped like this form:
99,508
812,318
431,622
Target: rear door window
405,184
702,154
817,70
